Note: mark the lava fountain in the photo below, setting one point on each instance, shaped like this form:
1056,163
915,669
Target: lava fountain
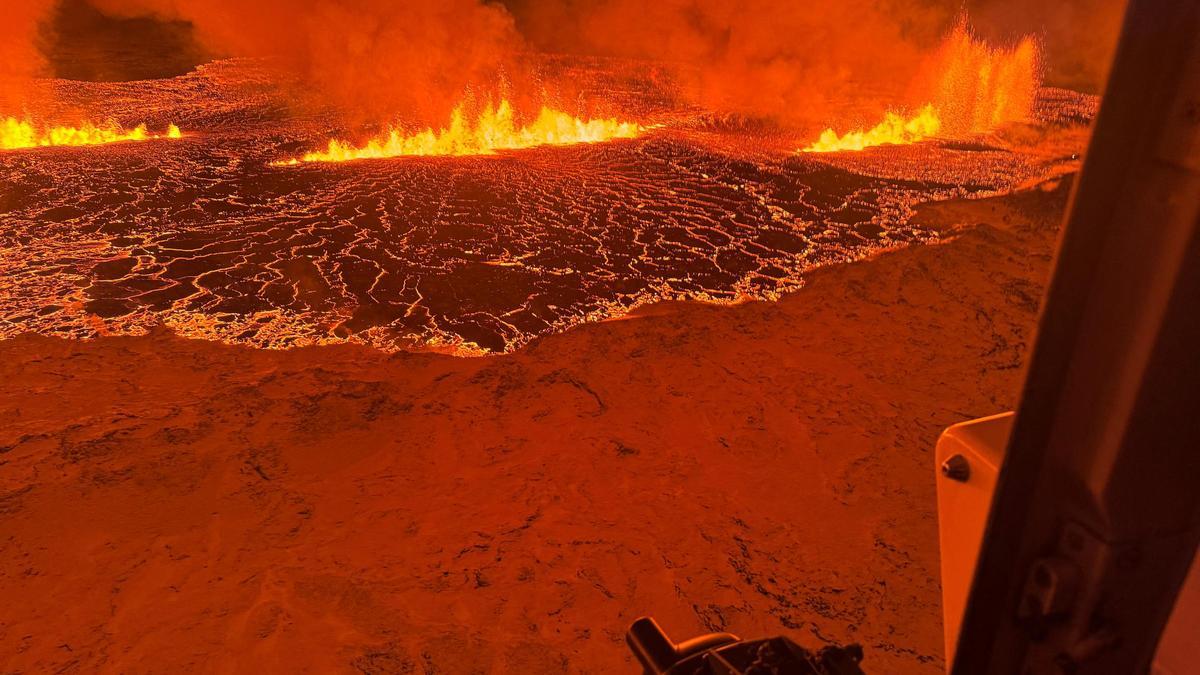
894,130
16,134
469,256
495,129
975,89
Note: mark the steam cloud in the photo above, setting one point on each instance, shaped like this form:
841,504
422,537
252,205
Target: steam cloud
790,60
783,59
1079,35
20,58
376,58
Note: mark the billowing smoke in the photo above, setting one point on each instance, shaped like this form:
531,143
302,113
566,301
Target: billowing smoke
789,60
377,59
778,58
21,58
1079,35
798,59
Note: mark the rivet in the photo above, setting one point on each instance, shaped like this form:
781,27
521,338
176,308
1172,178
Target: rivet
957,468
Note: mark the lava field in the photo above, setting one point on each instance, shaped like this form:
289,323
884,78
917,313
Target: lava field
462,254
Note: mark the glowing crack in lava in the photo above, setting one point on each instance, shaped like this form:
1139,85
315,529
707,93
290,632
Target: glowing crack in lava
495,129
18,134
467,256
976,88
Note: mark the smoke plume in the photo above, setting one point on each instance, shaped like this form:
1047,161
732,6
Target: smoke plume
778,58
1078,36
377,59
793,61
20,56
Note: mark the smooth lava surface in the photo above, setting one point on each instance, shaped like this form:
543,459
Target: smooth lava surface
469,255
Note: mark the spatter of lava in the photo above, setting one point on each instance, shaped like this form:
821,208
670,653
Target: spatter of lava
16,134
976,88
494,129
894,130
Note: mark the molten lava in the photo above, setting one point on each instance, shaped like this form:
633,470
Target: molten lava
978,88
18,134
894,130
975,88
494,129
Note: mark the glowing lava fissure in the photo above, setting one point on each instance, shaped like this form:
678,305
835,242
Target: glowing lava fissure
16,134
495,129
975,88
471,257
894,130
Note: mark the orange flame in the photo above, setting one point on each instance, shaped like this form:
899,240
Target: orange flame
894,130
975,89
495,129
18,134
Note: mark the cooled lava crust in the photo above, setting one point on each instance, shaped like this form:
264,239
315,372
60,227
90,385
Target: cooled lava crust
466,254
